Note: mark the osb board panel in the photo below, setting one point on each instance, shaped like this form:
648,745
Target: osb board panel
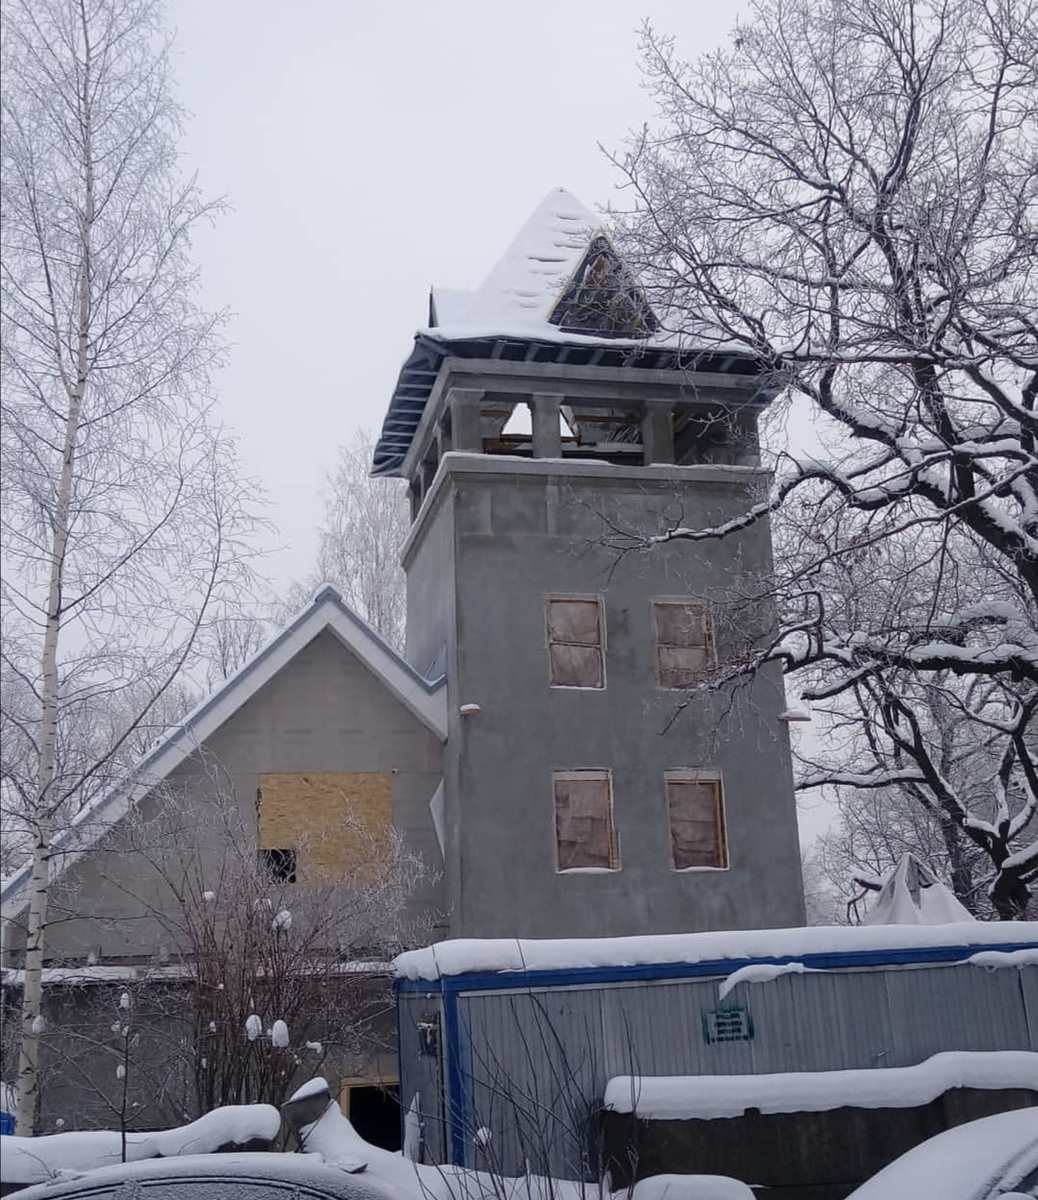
337,823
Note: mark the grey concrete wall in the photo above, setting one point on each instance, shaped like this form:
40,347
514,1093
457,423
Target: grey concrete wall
522,531
324,712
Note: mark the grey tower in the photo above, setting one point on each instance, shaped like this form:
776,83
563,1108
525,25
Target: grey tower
545,424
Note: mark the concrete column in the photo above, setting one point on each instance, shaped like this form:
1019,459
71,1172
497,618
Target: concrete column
443,435
657,434
547,438
464,406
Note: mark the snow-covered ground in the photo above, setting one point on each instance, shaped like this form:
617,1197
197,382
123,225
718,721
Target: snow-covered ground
331,1140
334,1138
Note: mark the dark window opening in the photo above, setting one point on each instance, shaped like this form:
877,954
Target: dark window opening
375,1114
280,865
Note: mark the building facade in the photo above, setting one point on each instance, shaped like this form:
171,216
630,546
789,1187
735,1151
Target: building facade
568,744
550,436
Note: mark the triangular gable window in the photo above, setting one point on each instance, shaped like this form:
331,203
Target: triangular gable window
603,299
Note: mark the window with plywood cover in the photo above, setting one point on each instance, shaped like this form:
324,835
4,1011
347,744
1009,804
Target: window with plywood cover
584,833
683,644
696,808
335,823
575,642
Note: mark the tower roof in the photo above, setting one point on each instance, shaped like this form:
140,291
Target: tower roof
560,275
561,293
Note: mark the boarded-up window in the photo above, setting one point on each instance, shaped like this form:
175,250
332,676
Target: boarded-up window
584,831
683,650
696,808
575,643
335,826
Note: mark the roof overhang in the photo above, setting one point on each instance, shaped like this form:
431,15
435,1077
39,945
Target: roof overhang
421,370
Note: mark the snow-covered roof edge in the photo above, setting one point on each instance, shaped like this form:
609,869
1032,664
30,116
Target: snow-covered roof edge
490,955
425,699
682,1097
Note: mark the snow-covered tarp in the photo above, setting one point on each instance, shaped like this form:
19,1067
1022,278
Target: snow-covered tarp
913,895
334,1138
684,1097
35,1159
465,955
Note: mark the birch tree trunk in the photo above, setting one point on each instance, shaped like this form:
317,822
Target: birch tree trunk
125,524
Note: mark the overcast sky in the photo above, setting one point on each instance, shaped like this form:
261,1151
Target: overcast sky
370,148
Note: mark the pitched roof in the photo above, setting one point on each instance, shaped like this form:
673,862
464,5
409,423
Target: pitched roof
426,699
561,293
560,275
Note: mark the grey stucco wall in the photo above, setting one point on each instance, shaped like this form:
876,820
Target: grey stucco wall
520,532
323,712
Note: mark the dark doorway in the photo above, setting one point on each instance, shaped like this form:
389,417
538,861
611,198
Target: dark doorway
375,1114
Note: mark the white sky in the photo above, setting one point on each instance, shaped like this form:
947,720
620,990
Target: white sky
371,148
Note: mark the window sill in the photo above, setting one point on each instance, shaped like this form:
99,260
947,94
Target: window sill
587,871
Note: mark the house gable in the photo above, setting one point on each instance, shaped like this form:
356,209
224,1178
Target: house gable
327,617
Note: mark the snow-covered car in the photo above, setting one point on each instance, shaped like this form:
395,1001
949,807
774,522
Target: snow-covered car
995,1158
234,1128
250,1176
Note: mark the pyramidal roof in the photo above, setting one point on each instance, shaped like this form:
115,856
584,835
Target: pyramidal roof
561,275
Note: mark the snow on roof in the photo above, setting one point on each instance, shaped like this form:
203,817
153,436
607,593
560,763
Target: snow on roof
561,286
913,895
426,699
681,1097
466,955
522,289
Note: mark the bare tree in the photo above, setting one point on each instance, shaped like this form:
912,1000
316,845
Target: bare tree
276,974
953,746
365,524
124,521
848,194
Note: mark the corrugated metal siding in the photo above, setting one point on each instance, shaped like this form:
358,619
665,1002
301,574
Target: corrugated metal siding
420,1072
1029,993
954,1008
535,1061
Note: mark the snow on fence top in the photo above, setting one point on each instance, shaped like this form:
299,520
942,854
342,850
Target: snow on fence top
683,1097
466,955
